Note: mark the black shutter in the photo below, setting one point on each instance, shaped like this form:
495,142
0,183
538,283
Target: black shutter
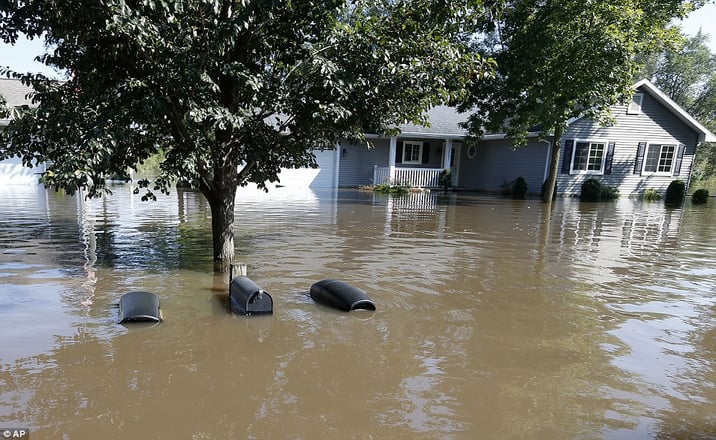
679,159
609,158
568,152
399,152
639,158
426,152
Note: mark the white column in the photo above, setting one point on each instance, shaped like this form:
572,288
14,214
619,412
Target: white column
391,158
447,154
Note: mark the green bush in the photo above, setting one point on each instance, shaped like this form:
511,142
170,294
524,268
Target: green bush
594,191
385,188
609,192
591,190
445,179
651,194
675,193
700,197
519,188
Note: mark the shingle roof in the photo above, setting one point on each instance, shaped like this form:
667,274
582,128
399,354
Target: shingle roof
444,122
14,92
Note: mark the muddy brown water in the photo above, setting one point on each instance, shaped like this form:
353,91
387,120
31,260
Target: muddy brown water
496,319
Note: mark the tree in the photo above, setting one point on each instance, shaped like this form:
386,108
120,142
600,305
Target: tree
683,71
230,91
686,72
4,110
563,59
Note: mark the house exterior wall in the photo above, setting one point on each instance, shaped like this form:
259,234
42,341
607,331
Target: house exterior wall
358,160
654,124
496,162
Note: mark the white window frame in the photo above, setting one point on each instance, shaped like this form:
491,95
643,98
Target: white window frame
605,142
413,144
635,104
674,156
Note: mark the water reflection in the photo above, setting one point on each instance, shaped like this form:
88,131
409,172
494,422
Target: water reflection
496,318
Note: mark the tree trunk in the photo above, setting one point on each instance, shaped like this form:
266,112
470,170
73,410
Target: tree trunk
551,182
222,226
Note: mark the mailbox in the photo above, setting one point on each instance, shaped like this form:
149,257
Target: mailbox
341,295
139,307
246,298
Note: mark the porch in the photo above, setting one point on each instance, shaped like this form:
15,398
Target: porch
418,161
413,177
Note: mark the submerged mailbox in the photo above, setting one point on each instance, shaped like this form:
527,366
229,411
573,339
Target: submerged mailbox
246,298
341,295
139,307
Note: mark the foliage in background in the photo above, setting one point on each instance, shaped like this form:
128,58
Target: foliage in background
4,110
563,59
700,197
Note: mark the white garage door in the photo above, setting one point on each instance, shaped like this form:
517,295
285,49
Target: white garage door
322,177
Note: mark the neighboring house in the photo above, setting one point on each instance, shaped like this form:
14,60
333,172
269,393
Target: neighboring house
11,170
652,142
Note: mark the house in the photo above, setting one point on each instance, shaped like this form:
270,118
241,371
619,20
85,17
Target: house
652,142
12,171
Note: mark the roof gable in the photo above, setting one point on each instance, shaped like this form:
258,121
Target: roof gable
647,86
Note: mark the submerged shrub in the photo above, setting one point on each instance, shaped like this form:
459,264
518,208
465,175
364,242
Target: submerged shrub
385,188
609,192
591,190
519,188
700,197
651,194
675,193
445,179
594,191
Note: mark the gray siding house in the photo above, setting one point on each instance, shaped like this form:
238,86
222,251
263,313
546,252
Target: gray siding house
652,142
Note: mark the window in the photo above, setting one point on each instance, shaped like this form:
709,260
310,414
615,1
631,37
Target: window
471,151
412,152
635,105
660,158
588,157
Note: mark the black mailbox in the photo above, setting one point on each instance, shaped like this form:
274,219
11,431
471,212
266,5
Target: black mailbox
139,307
246,298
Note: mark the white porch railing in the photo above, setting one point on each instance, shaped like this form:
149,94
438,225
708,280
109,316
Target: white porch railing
414,177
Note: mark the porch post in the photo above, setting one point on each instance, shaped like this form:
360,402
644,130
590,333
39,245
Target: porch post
447,154
391,158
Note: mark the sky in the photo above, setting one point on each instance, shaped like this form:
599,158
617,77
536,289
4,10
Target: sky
20,57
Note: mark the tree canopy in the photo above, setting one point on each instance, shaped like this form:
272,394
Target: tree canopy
230,91
563,59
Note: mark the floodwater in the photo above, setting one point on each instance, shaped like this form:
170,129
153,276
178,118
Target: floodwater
496,319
